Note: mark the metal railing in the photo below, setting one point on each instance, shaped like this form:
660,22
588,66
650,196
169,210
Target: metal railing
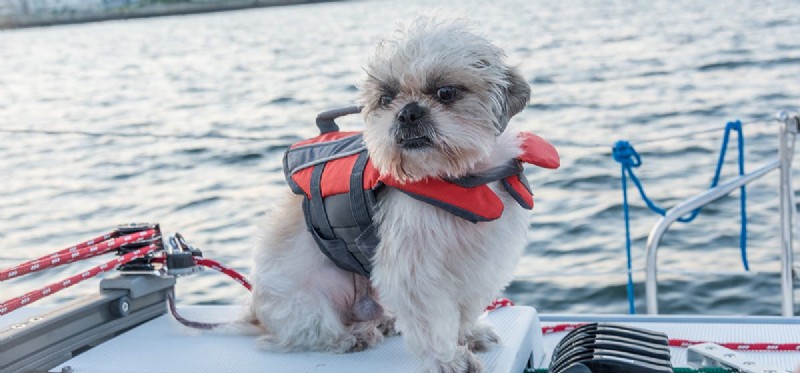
788,131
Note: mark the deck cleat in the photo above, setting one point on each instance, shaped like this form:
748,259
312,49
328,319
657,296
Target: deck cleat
606,348
180,257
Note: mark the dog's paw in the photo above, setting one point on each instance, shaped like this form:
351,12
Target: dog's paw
481,338
359,346
465,362
366,338
386,326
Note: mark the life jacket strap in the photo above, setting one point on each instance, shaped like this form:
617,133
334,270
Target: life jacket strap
359,205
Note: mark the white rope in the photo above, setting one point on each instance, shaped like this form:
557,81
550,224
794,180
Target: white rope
206,136
657,139
621,271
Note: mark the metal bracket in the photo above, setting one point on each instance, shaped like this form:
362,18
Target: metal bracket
792,120
713,355
47,340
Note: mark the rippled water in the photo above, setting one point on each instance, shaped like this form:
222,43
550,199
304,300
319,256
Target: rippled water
600,71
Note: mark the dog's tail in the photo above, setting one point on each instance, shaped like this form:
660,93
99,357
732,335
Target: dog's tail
247,324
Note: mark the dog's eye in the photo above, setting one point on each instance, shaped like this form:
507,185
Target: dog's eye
385,101
447,94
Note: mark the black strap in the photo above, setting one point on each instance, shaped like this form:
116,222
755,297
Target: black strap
317,205
358,198
512,167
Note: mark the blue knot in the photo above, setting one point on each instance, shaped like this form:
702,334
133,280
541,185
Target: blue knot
625,154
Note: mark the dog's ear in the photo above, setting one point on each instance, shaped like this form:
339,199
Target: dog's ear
518,92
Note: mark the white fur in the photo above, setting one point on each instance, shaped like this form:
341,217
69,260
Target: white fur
438,272
435,271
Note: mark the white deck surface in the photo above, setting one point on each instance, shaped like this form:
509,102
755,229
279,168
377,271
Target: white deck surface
161,346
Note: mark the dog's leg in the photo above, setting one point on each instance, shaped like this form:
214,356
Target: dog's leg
476,334
304,301
300,324
430,330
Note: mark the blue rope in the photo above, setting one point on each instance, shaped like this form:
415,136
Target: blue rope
624,153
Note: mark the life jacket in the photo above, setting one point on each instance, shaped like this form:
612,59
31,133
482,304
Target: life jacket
342,189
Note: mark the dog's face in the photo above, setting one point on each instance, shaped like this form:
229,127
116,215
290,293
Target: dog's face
435,99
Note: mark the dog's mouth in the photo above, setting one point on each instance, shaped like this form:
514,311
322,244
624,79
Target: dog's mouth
416,142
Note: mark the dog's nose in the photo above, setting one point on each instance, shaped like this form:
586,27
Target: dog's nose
410,113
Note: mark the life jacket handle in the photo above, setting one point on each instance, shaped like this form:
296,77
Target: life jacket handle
326,119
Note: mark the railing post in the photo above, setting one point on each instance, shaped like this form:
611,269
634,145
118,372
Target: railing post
786,137
681,209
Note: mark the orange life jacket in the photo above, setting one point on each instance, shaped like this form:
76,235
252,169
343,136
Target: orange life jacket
342,188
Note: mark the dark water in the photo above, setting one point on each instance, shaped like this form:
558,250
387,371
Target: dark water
600,71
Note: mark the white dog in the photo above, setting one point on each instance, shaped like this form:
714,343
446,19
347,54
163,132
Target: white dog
437,99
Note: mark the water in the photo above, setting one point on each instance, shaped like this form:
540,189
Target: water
600,71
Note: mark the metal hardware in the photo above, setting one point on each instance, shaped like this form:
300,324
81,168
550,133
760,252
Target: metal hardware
786,138
48,340
180,257
681,209
790,126
713,355
136,227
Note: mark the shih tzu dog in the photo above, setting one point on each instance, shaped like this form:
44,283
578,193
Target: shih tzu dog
436,103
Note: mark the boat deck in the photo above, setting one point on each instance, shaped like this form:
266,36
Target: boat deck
162,345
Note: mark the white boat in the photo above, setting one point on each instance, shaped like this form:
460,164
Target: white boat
125,328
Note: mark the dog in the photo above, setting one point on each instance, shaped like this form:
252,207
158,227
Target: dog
436,102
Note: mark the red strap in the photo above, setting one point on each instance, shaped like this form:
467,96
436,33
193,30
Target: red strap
520,193
480,201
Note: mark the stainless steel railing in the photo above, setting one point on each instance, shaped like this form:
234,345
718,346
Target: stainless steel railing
787,134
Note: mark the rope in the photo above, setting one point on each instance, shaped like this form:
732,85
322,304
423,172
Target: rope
658,139
685,343
55,287
88,249
232,273
499,303
624,154
210,135
238,277
790,347
674,370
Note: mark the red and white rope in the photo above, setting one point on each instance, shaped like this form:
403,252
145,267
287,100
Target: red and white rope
55,287
499,303
213,264
793,347
94,247
685,343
